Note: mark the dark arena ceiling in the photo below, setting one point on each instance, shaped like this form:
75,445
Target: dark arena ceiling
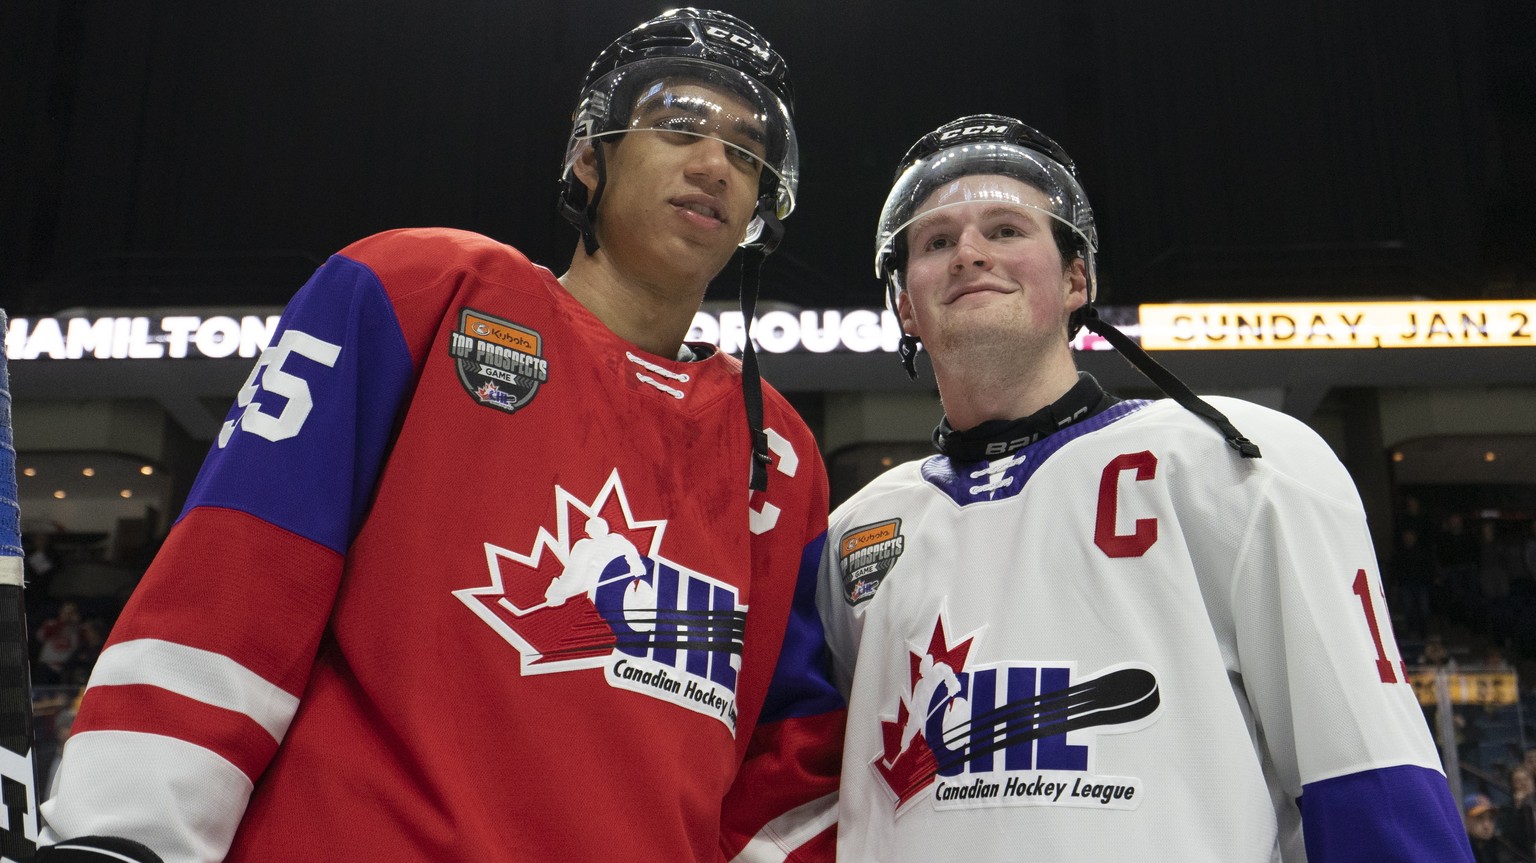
176,153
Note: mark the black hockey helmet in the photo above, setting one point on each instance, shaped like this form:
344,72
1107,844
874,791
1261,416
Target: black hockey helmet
986,144
995,144
700,46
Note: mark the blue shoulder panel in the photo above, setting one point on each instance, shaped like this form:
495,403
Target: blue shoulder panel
802,681
305,440
1393,815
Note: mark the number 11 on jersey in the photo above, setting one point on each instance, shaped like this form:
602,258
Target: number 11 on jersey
1362,588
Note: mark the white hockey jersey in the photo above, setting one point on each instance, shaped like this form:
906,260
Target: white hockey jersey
1125,643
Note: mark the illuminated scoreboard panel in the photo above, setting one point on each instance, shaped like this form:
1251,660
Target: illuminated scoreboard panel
1282,326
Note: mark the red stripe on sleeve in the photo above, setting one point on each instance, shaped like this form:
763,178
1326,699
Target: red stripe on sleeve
230,583
232,736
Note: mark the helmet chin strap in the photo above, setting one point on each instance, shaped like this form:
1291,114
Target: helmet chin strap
1167,382
589,213
751,378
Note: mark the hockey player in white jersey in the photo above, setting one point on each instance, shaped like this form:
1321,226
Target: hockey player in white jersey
1167,636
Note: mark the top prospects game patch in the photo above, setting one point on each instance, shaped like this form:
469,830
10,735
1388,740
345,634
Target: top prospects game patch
499,362
865,555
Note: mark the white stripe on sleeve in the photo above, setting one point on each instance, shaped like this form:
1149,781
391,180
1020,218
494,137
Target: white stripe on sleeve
198,674
789,831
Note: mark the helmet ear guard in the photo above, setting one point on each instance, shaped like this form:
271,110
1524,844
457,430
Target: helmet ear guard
579,205
889,265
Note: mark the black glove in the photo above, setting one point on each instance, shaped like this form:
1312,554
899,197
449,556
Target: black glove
96,849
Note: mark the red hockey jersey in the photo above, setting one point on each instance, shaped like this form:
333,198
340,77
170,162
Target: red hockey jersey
468,577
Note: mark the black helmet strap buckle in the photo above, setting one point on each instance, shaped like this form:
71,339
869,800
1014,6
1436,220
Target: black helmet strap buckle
773,229
907,349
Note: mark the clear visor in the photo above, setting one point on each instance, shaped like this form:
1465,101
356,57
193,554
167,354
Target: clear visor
688,97
933,183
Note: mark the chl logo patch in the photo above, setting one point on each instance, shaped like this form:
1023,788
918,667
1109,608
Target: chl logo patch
865,556
597,593
499,363
1011,733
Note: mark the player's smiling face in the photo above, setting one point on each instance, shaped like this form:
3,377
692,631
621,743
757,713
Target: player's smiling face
981,257
681,185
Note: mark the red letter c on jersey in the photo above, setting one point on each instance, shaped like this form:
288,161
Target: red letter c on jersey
1133,544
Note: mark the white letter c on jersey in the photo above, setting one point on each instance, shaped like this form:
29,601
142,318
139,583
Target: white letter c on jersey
762,520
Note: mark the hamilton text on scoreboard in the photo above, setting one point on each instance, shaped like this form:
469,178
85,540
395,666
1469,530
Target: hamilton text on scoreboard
223,333
246,333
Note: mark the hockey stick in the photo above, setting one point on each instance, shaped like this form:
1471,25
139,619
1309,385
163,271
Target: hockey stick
18,774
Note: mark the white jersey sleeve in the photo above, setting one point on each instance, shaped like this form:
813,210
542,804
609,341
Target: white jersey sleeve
1318,663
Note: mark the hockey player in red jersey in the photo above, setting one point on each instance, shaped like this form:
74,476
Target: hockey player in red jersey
1123,630
491,565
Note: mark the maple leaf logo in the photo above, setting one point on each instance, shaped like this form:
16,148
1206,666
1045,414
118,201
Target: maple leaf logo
493,394
907,763
562,633
596,592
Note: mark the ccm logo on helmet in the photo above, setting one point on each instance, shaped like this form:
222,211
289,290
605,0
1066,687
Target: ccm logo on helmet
739,40
972,130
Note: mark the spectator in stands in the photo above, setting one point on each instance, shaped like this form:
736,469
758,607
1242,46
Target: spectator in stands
1517,822
1412,517
1496,564
1455,546
58,638
1435,654
1523,585
93,635
1482,826
1411,572
1434,657
1492,658
39,560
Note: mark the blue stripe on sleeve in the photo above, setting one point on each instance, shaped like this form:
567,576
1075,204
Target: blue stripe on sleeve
311,469
1393,815
802,682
